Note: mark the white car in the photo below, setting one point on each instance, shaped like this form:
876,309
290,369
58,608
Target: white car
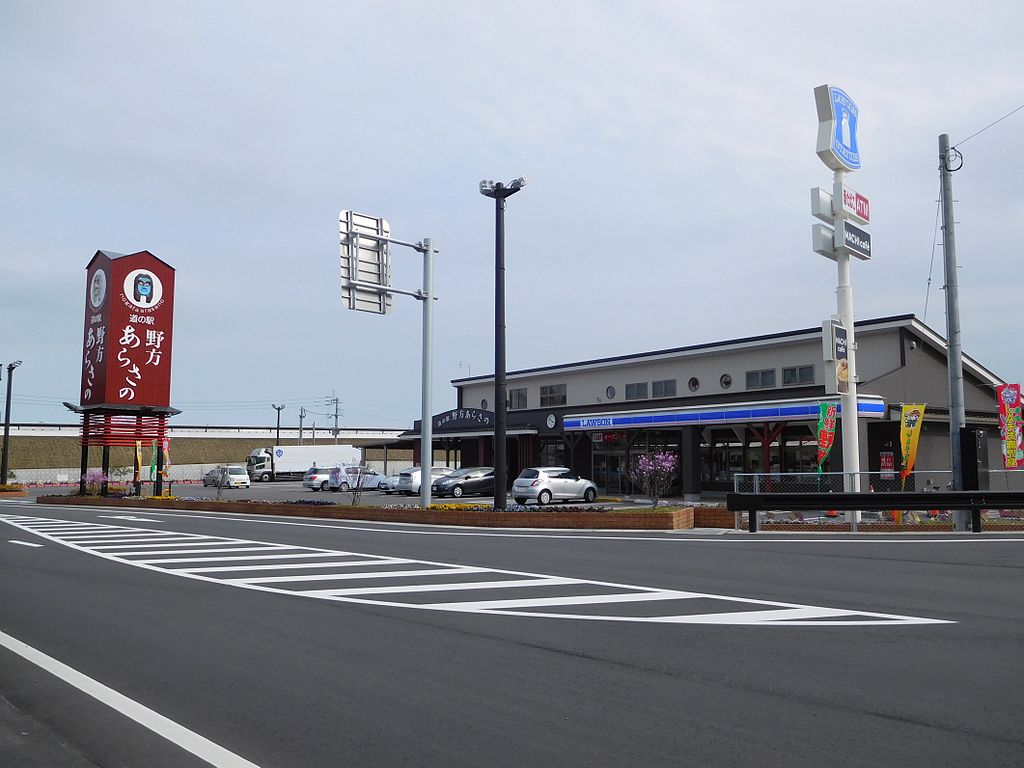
317,478
346,478
547,484
227,477
409,479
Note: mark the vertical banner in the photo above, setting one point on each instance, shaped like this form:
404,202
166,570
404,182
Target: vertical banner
1008,396
167,457
910,432
826,430
152,464
138,462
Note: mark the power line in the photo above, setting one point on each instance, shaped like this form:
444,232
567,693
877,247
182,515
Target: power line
931,266
964,141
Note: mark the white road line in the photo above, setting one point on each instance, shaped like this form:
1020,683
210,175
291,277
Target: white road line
552,581
225,559
286,566
113,548
537,602
263,548
24,543
188,740
360,575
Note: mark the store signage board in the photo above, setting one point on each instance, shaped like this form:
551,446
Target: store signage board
838,117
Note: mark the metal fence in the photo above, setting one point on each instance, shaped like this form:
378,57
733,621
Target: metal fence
837,482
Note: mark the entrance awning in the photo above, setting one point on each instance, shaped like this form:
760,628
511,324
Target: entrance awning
805,409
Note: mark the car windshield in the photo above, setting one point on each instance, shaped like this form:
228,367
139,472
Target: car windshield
529,473
236,470
460,473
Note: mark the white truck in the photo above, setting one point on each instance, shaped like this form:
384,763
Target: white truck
290,462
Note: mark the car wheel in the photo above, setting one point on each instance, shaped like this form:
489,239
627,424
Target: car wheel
457,491
589,495
344,487
544,497
265,477
324,485
520,500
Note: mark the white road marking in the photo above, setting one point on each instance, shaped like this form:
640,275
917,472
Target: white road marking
526,591
131,517
24,543
190,741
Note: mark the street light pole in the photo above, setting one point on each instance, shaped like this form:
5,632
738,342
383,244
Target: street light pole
500,192
278,408
5,462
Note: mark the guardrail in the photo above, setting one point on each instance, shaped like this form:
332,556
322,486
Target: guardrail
973,501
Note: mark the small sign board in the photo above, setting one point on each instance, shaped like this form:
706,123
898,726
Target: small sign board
853,241
364,262
855,206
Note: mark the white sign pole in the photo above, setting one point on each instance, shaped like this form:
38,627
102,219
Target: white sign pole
844,305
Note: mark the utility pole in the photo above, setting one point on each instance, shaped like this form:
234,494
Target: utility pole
278,408
5,462
334,399
302,415
950,160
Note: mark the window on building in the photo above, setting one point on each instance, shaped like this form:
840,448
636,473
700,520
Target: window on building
664,388
797,375
516,399
761,379
637,391
552,394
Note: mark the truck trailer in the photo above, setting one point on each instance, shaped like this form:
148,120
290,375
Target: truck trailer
290,462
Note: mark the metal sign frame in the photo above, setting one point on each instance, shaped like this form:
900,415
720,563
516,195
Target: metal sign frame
365,262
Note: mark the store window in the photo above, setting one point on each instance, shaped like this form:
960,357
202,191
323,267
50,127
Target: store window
517,399
664,388
802,374
552,394
761,379
637,391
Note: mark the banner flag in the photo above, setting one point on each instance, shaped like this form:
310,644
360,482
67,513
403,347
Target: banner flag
826,430
910,432
138,461
167,457
1008,396
152,464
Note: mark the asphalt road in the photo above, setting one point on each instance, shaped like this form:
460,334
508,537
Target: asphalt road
287,642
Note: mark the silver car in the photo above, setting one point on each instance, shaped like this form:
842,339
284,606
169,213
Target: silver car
317,478
227,477
409,479
547,484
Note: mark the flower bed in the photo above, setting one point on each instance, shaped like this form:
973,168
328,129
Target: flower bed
521,517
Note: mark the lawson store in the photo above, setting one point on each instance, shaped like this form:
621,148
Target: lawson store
738,406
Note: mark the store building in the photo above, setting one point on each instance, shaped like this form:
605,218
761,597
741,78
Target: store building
745,405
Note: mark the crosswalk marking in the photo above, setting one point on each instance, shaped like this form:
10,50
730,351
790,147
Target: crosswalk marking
494,591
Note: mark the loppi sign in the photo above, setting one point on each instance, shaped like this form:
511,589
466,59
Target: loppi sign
129,314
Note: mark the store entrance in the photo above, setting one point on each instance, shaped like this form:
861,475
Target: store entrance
609,471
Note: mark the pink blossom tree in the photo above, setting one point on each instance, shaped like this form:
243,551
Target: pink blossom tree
653,473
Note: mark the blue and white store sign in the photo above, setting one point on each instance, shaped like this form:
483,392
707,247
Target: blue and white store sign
868,406
838,116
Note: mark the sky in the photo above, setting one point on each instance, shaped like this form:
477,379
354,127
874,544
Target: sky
670,150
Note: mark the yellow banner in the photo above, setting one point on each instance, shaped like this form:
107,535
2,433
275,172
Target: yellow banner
910,432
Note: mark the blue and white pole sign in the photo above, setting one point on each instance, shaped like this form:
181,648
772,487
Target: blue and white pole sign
837,128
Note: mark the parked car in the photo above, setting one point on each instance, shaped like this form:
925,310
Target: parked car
317,478
227,477
409,479
468,480
345,478
389,484
547,484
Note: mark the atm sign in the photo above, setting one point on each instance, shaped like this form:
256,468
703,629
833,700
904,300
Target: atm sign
856,206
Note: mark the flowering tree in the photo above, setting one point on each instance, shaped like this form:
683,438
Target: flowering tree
653,473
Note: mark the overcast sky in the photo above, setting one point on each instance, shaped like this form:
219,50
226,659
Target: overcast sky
669,146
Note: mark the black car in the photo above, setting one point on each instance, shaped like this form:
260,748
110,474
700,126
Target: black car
465,481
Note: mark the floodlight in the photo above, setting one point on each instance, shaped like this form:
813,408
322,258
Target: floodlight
486,187
520,182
